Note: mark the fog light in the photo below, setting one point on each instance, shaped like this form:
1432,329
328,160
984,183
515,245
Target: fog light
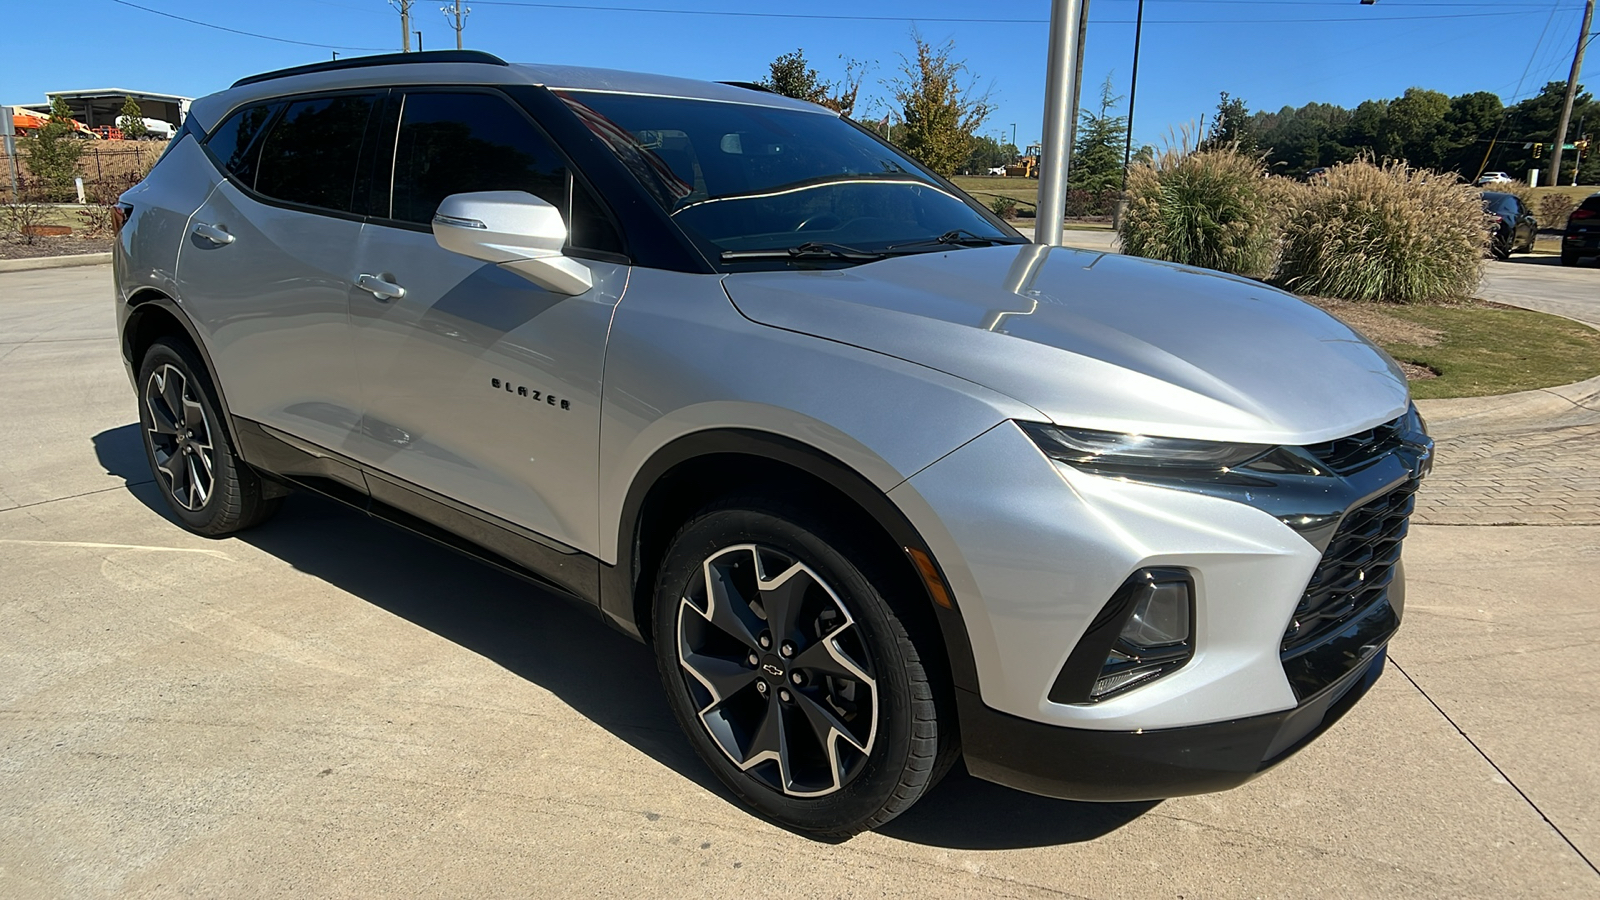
1160,615
1145,631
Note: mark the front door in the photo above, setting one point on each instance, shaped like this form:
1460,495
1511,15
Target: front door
479,385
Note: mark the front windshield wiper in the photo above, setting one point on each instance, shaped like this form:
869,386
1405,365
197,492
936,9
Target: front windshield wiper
808,250
959,237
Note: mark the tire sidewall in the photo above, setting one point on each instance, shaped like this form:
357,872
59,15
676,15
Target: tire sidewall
800,537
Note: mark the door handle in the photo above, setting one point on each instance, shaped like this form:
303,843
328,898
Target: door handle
378,287
213,233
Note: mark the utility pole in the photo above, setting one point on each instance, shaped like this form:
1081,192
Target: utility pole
1077,77
1572,90
1060,87
405,25
459,13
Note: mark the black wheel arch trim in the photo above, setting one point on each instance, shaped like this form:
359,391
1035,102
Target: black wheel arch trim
139,305
624,587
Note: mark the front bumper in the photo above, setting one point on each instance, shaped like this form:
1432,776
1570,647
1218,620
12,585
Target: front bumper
1114,766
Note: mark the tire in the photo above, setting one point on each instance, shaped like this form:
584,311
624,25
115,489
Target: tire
207,486
865,729
1569,259
1501,247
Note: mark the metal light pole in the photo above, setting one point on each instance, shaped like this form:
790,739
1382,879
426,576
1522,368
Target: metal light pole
1060,88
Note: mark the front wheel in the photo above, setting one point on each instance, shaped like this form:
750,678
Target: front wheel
795,678
210,490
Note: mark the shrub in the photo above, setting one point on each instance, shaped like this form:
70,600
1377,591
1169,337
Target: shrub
1004,207
1213,208
1385,233
1554,209
22,218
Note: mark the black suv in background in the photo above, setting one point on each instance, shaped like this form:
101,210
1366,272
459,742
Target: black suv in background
1582,237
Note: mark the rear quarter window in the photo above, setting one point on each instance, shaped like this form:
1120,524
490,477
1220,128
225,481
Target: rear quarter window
234,143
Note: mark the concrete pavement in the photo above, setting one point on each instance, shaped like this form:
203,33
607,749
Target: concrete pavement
327,706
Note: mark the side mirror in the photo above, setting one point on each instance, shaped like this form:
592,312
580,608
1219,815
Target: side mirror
515,230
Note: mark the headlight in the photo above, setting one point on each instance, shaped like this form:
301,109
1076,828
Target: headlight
1108,450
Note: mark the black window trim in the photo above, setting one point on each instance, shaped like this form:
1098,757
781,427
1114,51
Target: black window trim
575,174
379,95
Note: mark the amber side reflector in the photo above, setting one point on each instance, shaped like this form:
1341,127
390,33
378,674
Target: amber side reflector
930,577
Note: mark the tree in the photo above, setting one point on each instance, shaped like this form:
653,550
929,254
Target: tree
988,153
131,120
939,107
1230,127
1097,152
53,152
1414,128
793,76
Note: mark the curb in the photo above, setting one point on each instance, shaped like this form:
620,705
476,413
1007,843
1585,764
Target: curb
54,262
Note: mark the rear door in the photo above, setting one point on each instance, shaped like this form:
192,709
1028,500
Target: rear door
265,265
479,385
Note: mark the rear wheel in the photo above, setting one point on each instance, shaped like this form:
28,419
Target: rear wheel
202,479
1569,258
794,677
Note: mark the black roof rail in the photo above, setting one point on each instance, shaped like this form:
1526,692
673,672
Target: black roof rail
749,86
382,59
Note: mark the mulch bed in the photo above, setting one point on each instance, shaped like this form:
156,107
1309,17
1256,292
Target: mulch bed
13,247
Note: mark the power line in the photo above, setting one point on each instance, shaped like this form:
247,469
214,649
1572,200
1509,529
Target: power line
264,37
957,20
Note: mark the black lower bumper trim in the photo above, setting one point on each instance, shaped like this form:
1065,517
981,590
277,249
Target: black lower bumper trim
1115,766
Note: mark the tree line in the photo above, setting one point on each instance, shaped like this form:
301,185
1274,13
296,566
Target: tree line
1467,134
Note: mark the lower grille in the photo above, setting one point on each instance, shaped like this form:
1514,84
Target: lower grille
1356,570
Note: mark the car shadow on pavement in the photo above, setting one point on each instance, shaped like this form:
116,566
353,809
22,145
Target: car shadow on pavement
604,675
1551,259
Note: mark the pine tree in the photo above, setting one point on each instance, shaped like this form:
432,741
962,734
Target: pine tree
131,120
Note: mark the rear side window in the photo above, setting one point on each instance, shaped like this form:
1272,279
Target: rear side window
234,143
310,156
456,143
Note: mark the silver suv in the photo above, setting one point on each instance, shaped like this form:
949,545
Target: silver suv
882,484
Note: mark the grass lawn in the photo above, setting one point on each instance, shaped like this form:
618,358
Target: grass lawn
1477,348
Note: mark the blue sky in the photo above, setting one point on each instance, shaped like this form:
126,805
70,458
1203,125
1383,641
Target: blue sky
1270,52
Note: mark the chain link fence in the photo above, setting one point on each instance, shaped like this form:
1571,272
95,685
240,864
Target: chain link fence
106,168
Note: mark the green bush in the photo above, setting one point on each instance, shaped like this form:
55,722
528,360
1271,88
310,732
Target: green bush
1214,208
1004,207
1385,232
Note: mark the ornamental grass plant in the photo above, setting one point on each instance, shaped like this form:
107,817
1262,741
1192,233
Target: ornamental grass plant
1216,208
1384,233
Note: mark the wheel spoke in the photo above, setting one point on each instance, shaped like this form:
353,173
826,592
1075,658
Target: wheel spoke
177,470
768,741
822,659
729,610
198,489
722,677
782,598
172,393
194,417
824,720
161,421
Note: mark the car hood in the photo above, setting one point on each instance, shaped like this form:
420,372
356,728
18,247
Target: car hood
1100,340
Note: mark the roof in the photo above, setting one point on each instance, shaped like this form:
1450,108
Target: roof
467,68
118,92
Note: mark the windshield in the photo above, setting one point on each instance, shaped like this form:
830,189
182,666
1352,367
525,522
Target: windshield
747,178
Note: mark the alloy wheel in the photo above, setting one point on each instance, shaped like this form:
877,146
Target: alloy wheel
180,437
778,669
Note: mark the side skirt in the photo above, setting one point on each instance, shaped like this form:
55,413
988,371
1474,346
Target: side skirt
553,566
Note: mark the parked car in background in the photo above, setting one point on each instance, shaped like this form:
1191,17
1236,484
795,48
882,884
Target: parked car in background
1582,235
1494,178
1514,227
882,484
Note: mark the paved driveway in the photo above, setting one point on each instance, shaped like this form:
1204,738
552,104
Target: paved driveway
326,706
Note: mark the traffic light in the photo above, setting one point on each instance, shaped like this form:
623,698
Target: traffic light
1538,150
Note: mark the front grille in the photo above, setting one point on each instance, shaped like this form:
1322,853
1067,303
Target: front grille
1356,570
1349,454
